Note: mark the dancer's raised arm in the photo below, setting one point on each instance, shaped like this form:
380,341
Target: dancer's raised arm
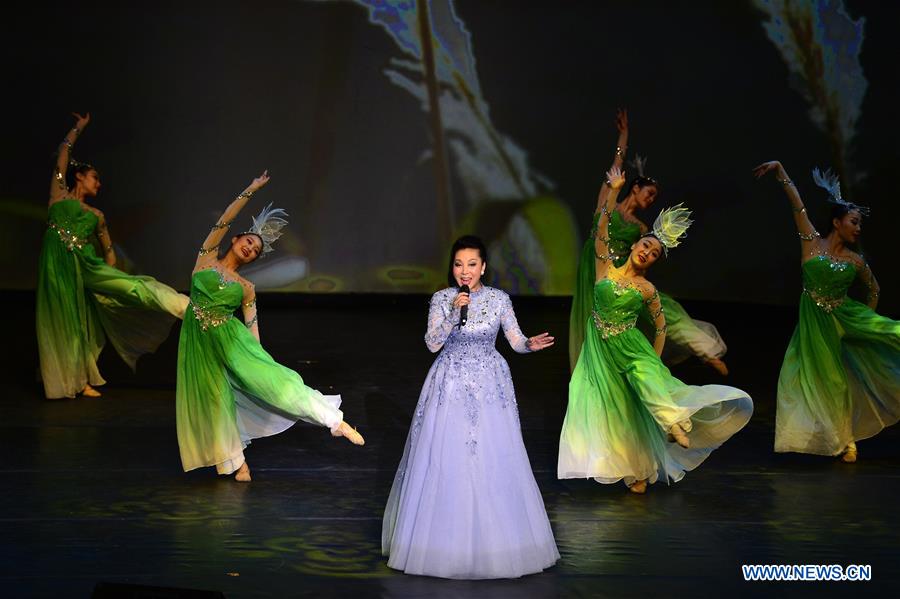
209,250
614,181
618,158
805,229
58,188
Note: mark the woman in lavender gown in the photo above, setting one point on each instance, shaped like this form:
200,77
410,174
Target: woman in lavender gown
464,503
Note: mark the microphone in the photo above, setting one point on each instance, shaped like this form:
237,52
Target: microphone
464,310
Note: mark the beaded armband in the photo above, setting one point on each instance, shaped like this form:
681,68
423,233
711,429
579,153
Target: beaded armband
60,179
808,237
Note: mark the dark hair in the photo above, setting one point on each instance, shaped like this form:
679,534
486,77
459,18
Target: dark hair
466,242
76,168
838,211
643,182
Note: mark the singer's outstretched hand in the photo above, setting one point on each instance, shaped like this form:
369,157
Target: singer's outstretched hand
539,342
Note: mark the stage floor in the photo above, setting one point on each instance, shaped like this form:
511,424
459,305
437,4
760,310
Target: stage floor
93,489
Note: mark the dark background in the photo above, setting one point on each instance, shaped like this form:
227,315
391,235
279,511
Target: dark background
190,100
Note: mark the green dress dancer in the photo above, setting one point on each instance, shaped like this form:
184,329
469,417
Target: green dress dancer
624,404
686,336
229,390
840,379
82,300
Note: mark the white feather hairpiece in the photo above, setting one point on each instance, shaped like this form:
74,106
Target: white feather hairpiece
639,163
832,184
671,226
267,225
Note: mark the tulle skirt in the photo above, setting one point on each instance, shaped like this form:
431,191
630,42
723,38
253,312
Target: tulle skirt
82,302
464,503
230,391
622,403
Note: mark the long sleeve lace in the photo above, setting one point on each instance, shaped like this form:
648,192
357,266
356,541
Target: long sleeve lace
442,317
517,340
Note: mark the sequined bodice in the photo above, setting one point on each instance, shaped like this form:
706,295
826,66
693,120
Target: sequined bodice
72,223
617,303
490,310
479,334
622,233
826,280
214,298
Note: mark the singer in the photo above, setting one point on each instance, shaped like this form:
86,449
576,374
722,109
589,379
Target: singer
464,503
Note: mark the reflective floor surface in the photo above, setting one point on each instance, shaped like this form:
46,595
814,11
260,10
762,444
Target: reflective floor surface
93,490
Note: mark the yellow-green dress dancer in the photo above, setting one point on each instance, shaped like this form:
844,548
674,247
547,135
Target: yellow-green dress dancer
625,408
81,298
229,390
686,336
840,379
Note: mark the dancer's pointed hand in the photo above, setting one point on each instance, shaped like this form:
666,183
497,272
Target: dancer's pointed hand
260,181
81,121
616,177
622,120
765,167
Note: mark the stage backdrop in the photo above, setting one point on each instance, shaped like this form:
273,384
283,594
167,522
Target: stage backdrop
190,100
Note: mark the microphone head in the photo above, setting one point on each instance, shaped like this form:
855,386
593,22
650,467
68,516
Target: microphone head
464,289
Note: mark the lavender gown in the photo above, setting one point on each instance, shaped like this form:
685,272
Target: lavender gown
464,503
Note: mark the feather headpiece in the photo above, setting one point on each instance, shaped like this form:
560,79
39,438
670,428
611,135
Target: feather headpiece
267,225
832,184
671,225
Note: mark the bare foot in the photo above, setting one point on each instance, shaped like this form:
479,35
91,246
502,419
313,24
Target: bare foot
345,430
677,434
718,365
639,487
243,474
849,454
89,391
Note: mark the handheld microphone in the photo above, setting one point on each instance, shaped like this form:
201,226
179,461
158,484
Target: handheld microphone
463,311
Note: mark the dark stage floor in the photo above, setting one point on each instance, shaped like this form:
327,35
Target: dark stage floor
93,489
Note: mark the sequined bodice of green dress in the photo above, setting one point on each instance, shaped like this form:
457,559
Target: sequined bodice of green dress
81,301
840,379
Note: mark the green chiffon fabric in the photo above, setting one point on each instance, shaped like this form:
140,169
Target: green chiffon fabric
229,390
82,302
840,379
685,336
623,400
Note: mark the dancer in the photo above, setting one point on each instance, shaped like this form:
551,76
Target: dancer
464,503
82,299
840,379
686,336
229,390
625,407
